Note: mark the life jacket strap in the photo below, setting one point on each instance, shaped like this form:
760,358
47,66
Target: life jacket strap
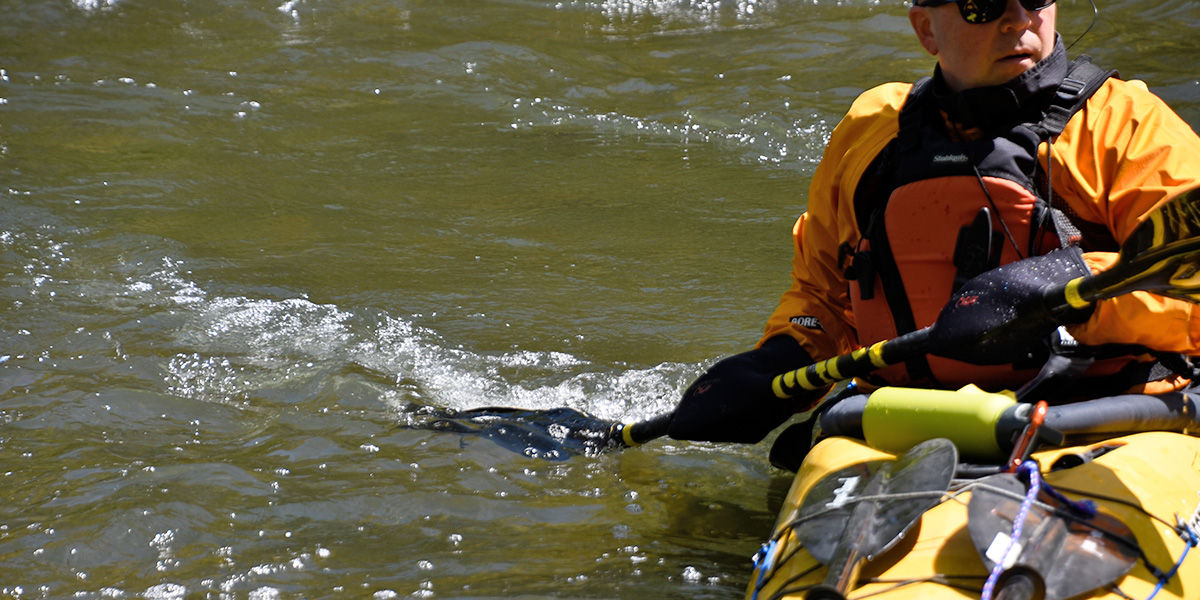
1082,80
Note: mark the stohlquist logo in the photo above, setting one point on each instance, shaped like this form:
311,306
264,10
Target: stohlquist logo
950,158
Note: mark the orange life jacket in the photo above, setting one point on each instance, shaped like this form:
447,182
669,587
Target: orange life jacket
938,206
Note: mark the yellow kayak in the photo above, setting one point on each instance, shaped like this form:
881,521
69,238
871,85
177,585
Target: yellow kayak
931,494
1143,488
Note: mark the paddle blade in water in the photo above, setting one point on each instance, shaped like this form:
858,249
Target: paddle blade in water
551,434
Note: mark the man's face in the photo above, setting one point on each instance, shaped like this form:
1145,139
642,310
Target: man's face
977,55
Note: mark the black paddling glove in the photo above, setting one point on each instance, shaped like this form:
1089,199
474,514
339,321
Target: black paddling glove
1002,316
733,400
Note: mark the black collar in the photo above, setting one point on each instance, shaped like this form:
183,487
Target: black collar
1018,100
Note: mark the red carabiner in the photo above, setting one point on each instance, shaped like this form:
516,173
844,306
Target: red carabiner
1024,445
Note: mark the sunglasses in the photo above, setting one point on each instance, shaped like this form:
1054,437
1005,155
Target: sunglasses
984,11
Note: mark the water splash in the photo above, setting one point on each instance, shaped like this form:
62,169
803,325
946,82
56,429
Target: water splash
762,137
672,14
94,5
148,311
232,347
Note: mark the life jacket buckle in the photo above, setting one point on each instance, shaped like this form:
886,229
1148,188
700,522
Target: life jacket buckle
1070,89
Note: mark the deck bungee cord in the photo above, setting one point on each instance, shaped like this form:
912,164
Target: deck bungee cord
1007,557
1190,540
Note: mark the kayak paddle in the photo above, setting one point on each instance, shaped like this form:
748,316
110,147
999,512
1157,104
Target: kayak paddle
1161,255
861,511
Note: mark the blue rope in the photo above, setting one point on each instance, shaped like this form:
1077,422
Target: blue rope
1191,540
764,561
1085,509
1035,484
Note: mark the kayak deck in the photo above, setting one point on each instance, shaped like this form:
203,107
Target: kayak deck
1145,480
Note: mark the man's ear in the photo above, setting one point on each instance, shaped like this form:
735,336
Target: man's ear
922,24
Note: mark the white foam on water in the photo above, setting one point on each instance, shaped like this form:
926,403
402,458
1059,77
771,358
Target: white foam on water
93,5
293,326
461,379
264,593
299,562
165,591
688,12
237,345
162,543
763,137
228,348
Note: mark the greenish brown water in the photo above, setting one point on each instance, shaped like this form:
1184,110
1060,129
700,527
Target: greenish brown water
241,242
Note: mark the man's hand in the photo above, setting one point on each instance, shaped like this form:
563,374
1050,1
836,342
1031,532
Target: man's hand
1001,316
733,401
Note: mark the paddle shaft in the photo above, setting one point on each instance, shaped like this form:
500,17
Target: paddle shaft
842,575
852,364
1075,294
853,548
636,434
1160,255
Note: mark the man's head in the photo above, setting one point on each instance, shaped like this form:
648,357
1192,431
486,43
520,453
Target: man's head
997,46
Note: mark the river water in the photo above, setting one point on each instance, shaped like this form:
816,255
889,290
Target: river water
243,243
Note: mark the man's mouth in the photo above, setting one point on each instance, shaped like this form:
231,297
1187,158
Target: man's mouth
1018,56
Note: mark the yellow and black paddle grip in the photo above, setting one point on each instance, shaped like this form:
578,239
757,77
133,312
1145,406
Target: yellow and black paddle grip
820,375
636,434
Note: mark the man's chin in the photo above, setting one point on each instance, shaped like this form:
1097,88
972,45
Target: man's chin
1007,69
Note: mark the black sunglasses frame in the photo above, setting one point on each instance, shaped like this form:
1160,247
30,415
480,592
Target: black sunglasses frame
978,12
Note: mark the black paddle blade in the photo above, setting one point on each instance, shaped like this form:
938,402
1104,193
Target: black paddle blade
1162,255
870,505
552,434
1065,553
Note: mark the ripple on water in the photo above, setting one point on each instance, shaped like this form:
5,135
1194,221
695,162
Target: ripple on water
204,404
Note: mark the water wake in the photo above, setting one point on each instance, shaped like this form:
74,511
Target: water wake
232,347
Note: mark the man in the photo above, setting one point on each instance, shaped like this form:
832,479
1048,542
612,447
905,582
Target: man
1010,151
